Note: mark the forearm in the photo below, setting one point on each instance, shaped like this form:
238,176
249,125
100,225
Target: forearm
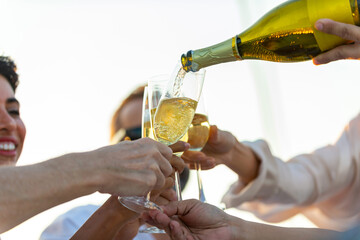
243,161
106,221
29,190
245,230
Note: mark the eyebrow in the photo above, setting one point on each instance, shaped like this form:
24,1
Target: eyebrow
12,100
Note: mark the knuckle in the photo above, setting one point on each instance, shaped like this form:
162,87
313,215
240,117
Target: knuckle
339,54
160,182
151,180
345,33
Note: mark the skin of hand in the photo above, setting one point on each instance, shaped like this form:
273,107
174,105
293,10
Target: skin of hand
194,220
181,221
161,197
113,215
143,164
349,32
167,193
108,221
223,148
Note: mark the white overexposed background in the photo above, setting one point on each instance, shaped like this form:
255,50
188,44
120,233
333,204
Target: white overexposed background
78,59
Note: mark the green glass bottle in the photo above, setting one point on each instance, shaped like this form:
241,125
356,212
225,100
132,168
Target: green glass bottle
285,34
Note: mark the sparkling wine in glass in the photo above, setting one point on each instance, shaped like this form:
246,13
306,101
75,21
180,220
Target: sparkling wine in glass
157,86
176,108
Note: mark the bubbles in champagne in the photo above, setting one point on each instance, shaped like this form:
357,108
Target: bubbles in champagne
173,118
178,82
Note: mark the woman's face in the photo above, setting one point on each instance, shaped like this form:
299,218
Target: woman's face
12,128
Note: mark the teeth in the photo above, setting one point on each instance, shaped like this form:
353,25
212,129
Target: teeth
9,146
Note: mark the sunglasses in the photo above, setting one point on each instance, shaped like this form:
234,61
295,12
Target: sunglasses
126,134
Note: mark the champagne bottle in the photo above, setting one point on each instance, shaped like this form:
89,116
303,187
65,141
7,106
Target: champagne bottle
285,34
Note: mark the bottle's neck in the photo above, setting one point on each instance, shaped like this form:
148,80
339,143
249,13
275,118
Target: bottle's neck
355,8
219,53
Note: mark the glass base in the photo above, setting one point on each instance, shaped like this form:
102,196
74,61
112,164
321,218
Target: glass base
151,230
138,204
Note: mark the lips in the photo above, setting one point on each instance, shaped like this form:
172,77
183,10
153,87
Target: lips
8,147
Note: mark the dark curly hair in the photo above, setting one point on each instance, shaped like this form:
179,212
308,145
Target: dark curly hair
8,70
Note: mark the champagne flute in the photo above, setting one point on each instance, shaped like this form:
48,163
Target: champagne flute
135,203
176,109
157,85
141,203
198,134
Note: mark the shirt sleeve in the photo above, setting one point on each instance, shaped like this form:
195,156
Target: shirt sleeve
326,178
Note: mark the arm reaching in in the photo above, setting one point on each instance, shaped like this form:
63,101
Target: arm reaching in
125,169
192,219
114,221
223,148
346,31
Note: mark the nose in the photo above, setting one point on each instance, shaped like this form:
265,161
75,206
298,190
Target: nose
7,122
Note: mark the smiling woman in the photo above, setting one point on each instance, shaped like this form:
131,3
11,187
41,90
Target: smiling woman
12,128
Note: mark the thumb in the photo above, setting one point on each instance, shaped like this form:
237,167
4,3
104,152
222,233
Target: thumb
214,134
179,208
179,146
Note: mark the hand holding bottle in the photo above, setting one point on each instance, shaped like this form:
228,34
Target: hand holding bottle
346,31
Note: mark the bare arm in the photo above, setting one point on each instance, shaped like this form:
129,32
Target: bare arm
114,221
223,148
107,221
26,191
192,219
253,231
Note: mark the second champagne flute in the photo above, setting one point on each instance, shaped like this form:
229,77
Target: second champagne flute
198,134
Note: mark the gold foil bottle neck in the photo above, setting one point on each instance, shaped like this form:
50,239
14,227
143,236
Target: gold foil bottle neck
219,53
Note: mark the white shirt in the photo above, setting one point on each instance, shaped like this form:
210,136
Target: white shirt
66,225
323,185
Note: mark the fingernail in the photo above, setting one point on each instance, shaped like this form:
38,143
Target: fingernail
319,26
315,62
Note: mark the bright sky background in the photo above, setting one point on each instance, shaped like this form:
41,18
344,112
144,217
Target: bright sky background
78,59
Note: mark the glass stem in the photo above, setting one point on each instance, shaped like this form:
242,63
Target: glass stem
178,186
200,186
148,196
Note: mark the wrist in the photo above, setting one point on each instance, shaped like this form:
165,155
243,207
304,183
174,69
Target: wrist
82,172
244,162
237,228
